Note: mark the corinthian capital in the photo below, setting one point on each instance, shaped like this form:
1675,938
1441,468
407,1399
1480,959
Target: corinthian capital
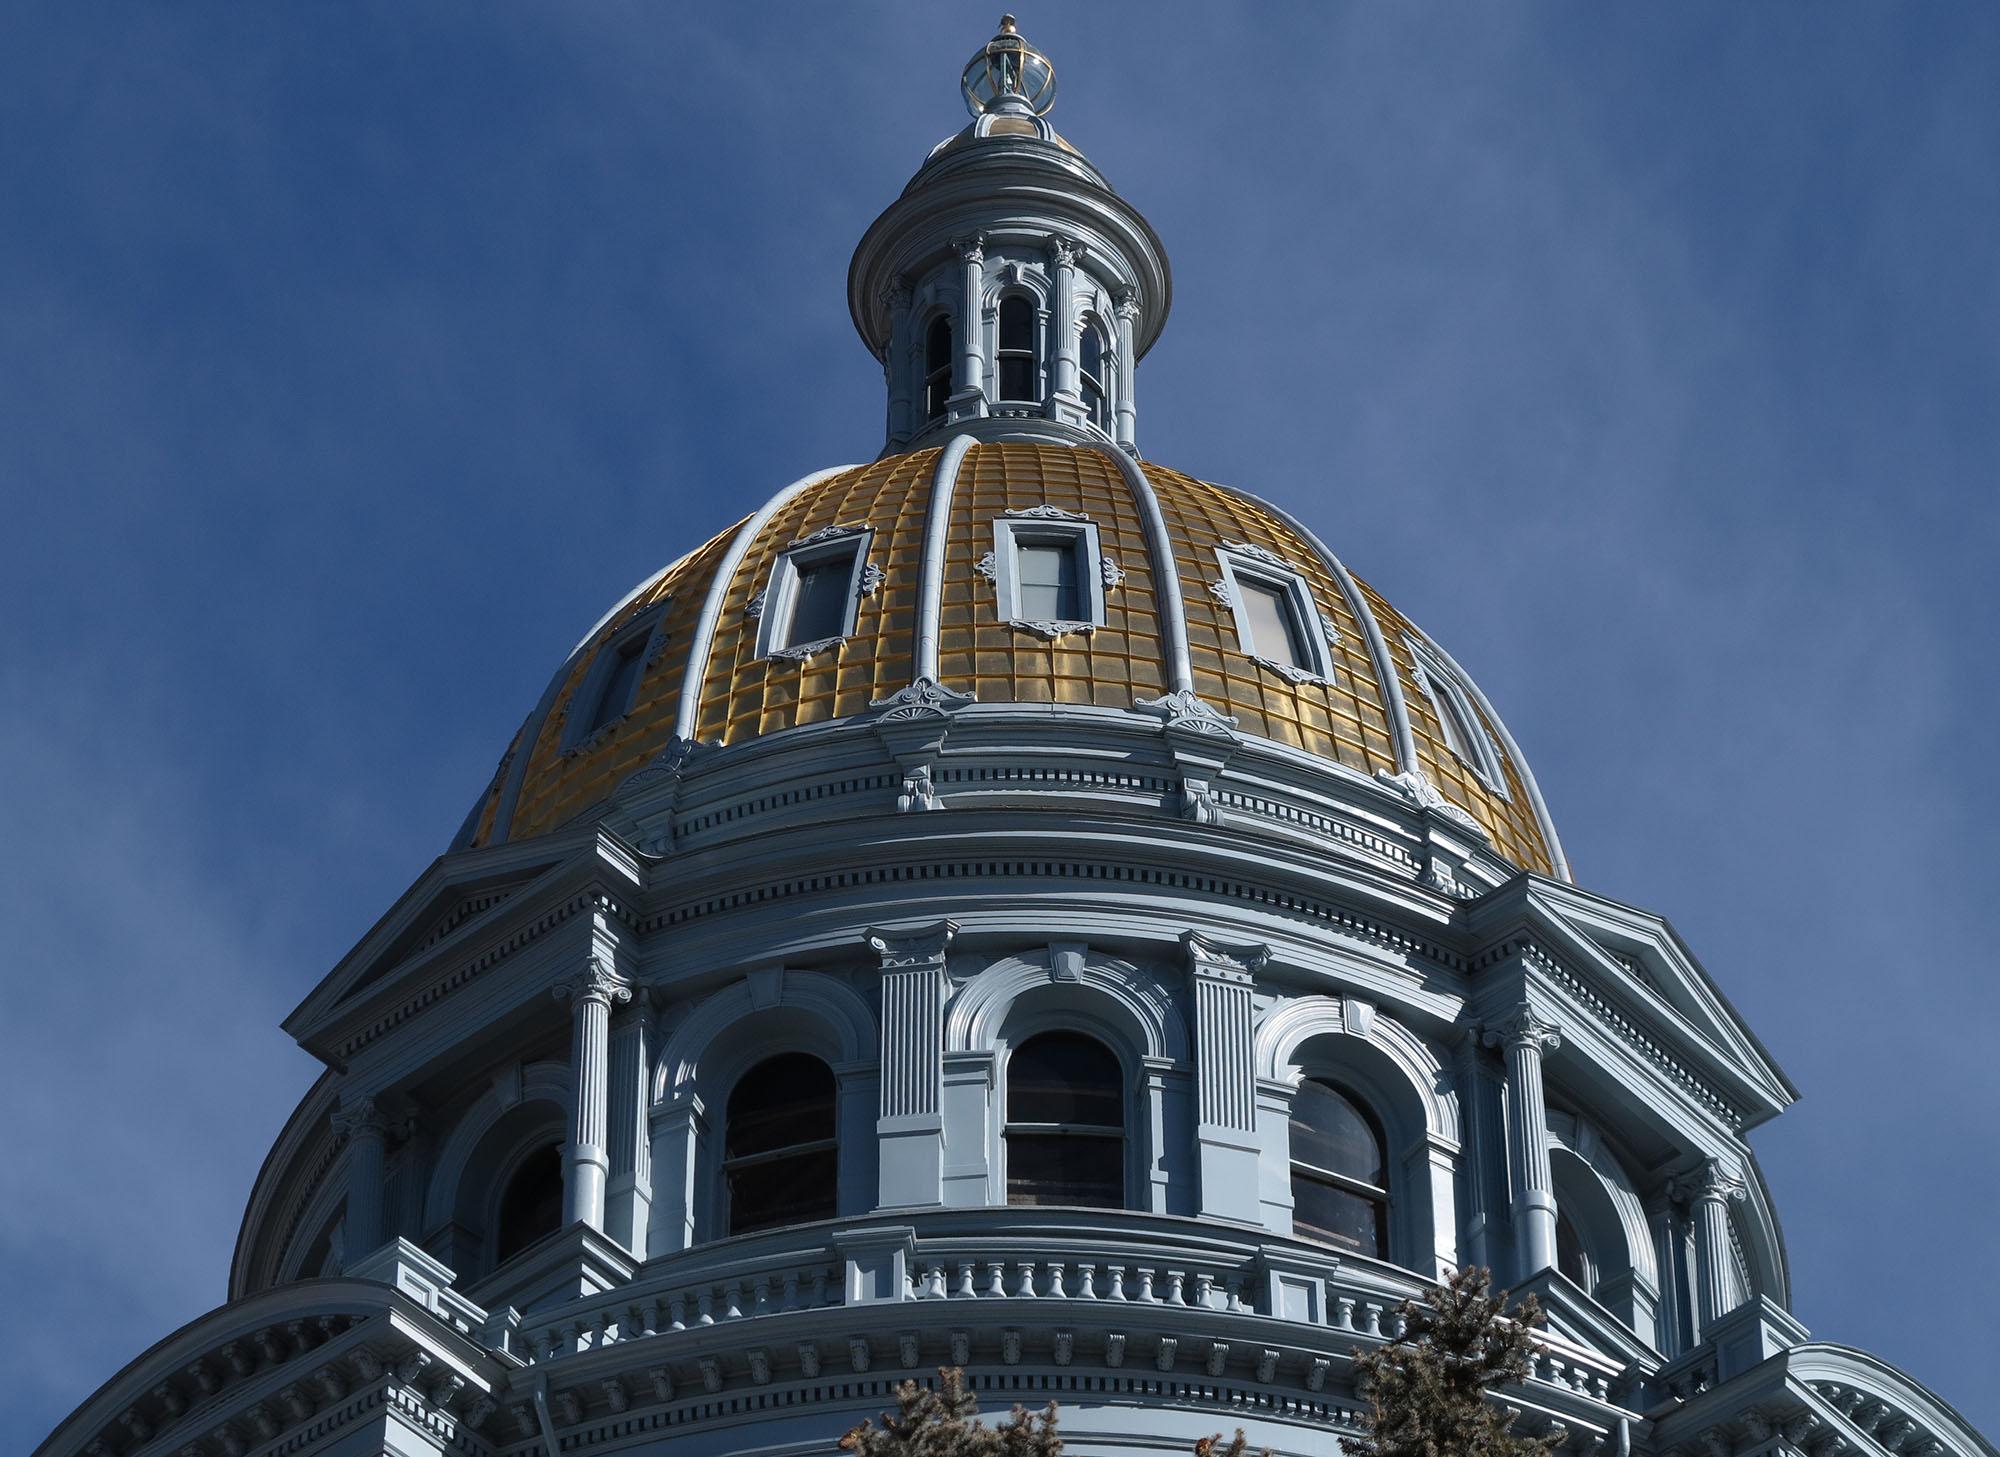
1126,302
972,249
1524,1027
1715,1182
360,1116
595,983
1062,251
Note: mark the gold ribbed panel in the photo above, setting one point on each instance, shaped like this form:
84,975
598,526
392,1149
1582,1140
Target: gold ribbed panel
744,695
1510,820
1345,721
979,653
555,786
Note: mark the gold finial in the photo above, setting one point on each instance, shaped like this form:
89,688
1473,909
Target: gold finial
1008,74
1007,25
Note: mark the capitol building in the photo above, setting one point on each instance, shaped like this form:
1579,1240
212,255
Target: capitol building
1007,904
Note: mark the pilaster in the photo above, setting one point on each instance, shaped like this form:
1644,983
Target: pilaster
1221,979
629,1195
910,1121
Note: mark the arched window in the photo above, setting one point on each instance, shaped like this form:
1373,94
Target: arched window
1571,1257
1017,348
1065,1123
1090,356
1340,1190
937,368
780,1159
531,1204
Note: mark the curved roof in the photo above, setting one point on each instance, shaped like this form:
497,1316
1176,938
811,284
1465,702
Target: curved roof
704,677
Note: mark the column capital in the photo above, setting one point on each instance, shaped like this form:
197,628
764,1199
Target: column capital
1125,302
970,249
897,293
1713,1182
1211,958
1523,1027
361,1116
1063,252
904,947
594,983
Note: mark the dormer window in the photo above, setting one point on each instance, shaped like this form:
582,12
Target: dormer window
1458,720
937,368
1047,571
809,604
611,685
1090,362
1277,622
1018,365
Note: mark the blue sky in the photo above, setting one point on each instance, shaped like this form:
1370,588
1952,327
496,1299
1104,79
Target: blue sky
354,359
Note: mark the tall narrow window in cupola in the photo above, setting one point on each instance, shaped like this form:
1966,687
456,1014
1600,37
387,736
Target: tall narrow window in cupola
937,368
1065,1123
1090,358
1017,348
780,1159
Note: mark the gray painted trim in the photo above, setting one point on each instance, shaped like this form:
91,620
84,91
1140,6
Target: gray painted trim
1535,801
1167,590
1371,631
930,592
718,587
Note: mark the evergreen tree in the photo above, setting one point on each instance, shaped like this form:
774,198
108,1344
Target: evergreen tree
942,1421
1426,1390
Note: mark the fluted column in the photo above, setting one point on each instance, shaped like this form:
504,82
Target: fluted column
586,1162
1526,1036
1708,1191
1222,978
968,392
367,1158
1127,416
903,365
909,1125
1064,386
629,1197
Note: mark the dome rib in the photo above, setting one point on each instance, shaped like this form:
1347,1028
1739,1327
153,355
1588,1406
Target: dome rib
1166,572
930,591
686,715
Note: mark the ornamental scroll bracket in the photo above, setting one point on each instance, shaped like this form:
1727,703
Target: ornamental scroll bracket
1201,740
912,724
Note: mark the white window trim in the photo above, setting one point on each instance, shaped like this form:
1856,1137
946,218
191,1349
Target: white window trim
576,737
1041,525
773,606
1435,678
1239,560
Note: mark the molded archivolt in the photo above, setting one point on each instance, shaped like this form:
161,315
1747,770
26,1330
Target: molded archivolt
1353,719
1405,1067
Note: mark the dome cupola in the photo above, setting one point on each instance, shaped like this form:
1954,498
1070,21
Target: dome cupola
1009,292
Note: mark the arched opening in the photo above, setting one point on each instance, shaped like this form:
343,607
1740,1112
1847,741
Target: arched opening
1090,360
1340,1181
531,1203
1065,1123
937,368
1572,1259
780,1153
1018,366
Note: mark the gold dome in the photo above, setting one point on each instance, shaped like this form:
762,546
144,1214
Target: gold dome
1349,716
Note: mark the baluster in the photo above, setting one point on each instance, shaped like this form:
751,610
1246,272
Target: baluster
761,1295
934,1281
1027,1290
1086,1282
604,1334
1236,1301
1371,1314
1204,1289
1176,1288
1114,1275
1146,1296
791,1290
821,1280
732,1294
1345,1307
995,1278
677,1307
967,1273
705,1299
649,1319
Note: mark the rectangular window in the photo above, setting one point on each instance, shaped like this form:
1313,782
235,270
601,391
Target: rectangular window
1277,621
610,684
1047,572
810,600
1272,618
1463,729
819,601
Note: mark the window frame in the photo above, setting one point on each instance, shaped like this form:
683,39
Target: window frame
646,630
774,606
725,1164
1043,526
1441,685
1241,562
931,377
1382,1195
1037,326
1094,388
1122,1133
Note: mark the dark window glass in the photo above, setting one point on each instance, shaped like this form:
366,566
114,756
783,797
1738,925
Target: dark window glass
621,682
1045,576
1339,1186
531,1205
1451,716
1065,1123
937,368
1569,1252
1273,619
819,600
1091,360
1017,349
780,1161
